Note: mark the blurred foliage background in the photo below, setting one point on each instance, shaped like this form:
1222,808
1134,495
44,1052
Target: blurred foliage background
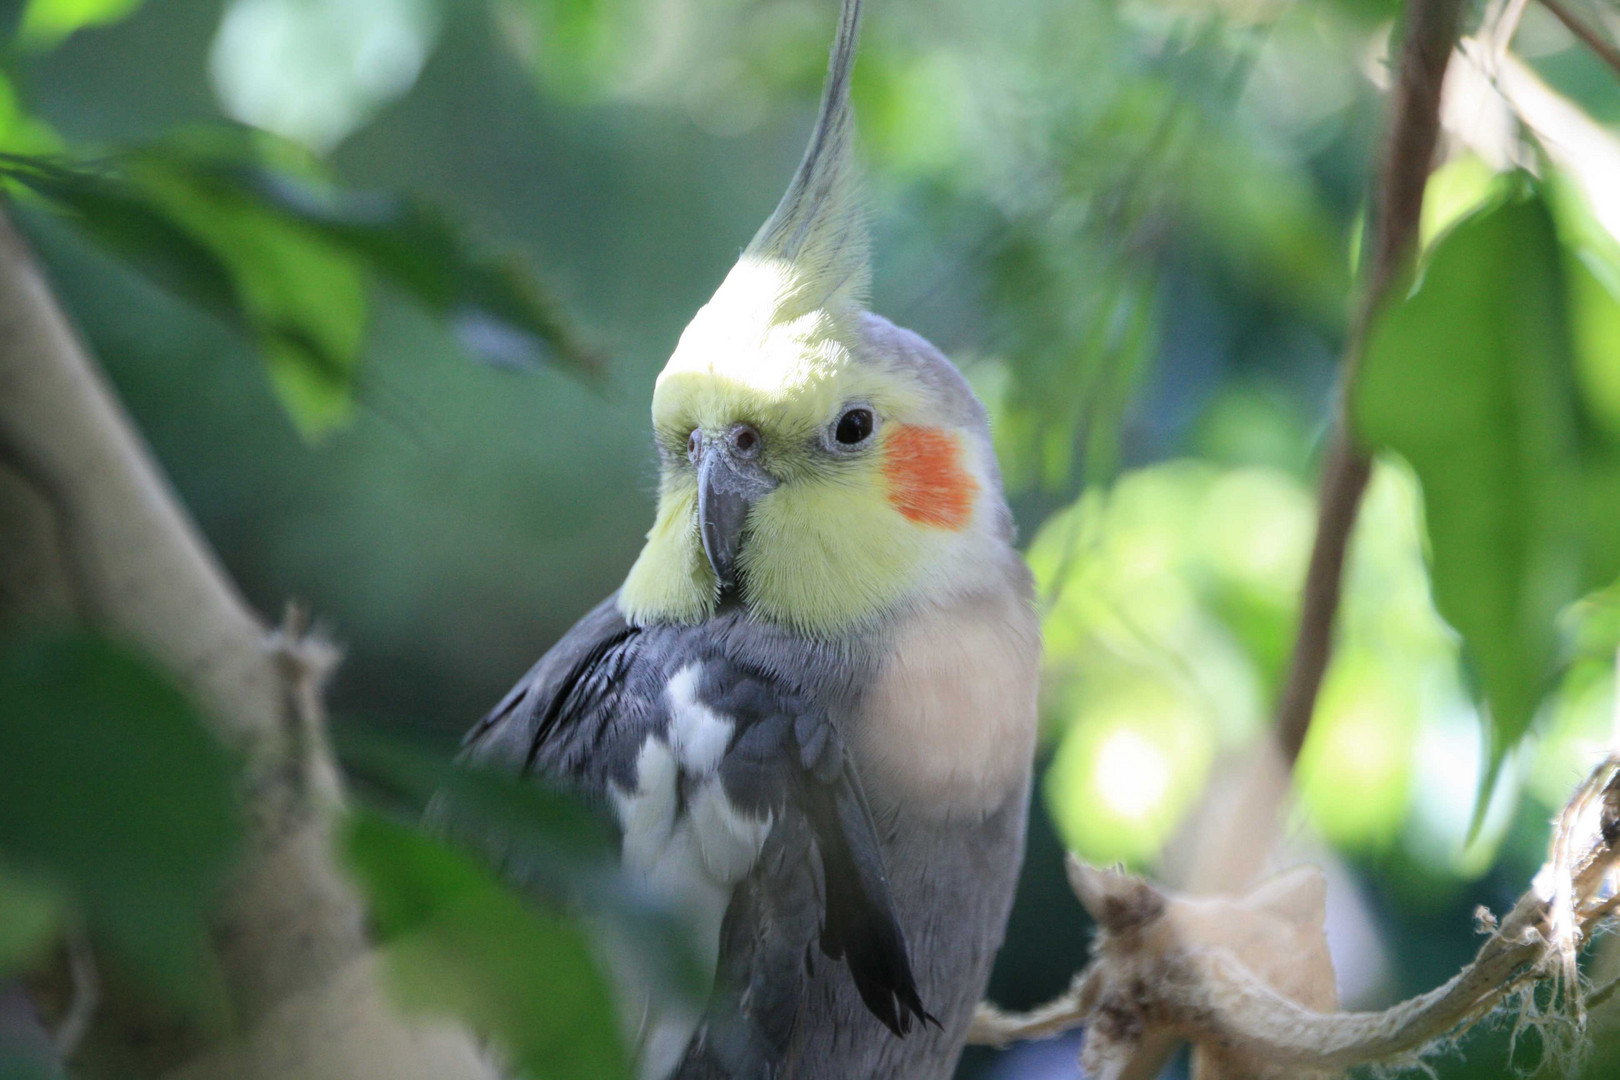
386,283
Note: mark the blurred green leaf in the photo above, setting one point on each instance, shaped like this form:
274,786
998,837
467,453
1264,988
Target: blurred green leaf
127,223
29,913
497,308
283,260
537,837
112,790
20,132
456,942
46,22
302,302
305,301
521,809
578,47
1469,379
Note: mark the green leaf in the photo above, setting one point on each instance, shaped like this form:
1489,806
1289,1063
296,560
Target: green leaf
113,792
302,301
521,809
125,221
284,260
455,942
305,300
493,302
539,838
46,22
29,914
1469,378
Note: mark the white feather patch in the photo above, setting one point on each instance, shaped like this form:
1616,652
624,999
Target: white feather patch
698,733
692,856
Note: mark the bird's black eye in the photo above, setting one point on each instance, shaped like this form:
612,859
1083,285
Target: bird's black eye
854,426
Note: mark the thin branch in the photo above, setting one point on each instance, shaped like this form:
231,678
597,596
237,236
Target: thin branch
1157,971
86,984
1599,997
1344,481
1601,46
1414,127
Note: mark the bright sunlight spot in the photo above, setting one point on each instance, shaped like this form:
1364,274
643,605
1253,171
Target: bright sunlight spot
1131,774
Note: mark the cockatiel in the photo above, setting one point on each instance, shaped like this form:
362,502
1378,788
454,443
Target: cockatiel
811,705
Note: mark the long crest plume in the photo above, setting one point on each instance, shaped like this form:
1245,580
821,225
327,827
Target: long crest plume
819,227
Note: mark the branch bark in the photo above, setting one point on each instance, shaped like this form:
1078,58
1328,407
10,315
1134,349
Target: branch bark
1601,47
1229,846
1431,34
106,540
1168,966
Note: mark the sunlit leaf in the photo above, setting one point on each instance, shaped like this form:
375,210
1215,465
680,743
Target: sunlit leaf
305,301
456,942
317,70
47,22
1353,773
112,790
1469,379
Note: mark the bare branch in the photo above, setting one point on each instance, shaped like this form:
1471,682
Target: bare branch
101,519
1603,48
1431,33
1161,967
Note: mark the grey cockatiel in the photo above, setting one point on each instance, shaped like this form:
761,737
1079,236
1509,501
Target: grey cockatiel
811,706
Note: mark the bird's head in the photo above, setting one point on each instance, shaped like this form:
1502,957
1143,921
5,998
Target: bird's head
825,466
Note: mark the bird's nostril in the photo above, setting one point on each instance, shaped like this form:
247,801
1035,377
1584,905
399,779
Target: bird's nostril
694,443
744,439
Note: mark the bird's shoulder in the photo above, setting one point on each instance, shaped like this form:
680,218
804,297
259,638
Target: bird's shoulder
608,684
595,677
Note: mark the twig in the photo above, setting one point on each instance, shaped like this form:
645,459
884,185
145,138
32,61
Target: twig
1599,997
75,1023
1397,204
1431,34
1151,974
1605,49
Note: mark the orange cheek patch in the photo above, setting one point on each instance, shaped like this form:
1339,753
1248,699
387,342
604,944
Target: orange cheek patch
926,480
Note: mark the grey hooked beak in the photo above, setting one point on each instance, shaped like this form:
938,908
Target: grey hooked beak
729,482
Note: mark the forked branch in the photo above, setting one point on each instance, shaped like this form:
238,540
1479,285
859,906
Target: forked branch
1167,965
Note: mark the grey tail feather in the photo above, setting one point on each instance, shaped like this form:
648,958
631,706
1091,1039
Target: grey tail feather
820,208
860,925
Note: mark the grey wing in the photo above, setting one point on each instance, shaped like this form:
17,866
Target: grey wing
818,880
568,718
736,799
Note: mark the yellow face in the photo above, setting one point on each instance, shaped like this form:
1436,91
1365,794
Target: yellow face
859,497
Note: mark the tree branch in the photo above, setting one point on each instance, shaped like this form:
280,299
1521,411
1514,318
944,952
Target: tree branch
121,553
1431,33
1604,49
1166,965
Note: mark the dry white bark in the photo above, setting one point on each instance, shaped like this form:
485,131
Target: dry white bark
91,528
